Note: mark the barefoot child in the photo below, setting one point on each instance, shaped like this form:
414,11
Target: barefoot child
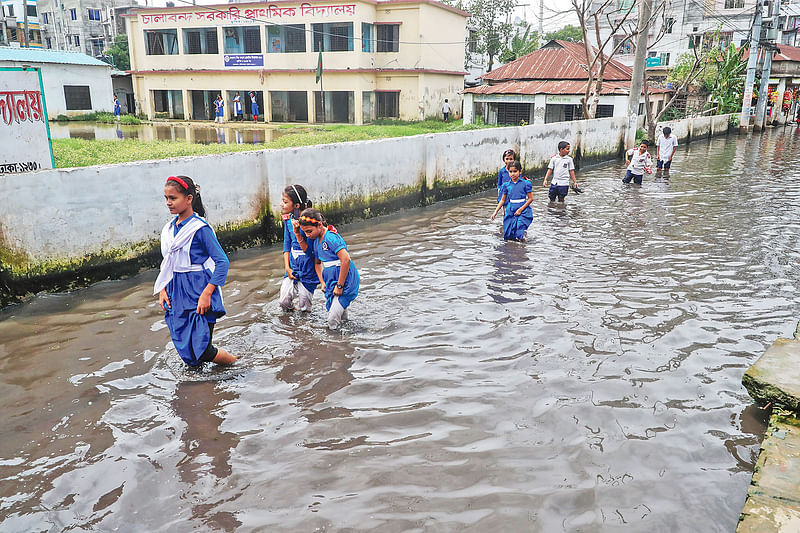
509,156
193,269
563,168
300,278
338,274
517,198
639,162
665,149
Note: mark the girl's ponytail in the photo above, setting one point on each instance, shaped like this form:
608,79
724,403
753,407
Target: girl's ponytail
186,186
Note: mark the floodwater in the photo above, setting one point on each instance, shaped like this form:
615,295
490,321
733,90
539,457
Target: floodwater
228,133
587,380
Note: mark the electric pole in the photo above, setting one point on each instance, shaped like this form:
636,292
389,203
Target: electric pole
639,66
541,22
772,34
752,63
27,35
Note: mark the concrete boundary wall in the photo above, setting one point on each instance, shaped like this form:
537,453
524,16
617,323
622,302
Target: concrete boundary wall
56,221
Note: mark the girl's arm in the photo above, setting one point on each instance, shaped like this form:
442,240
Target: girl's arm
344,257
318,270
519,211
286,266
499,206
221,264
299,235
500,178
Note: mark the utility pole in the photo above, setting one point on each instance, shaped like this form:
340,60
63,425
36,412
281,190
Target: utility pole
752,63
541,22
27,35
772,34
639,66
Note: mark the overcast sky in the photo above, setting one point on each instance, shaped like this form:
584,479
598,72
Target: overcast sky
554,16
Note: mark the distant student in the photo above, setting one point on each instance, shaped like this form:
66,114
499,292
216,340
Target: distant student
192,271
237,107
338,274
219,109
300,279
517,198
253,106
562,167
509,156
117,108
639,162
665,149
446,110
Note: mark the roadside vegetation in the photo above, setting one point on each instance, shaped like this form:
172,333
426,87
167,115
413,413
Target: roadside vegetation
81,153
101,117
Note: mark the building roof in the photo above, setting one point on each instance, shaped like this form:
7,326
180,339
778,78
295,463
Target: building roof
557,60
786,53
38,55
570,87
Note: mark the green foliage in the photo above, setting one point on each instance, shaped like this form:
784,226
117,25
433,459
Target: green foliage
520,45
487,19
567,33
119,53
640,134
81,152
728,88
103,117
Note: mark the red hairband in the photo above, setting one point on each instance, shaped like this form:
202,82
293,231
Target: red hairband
179,181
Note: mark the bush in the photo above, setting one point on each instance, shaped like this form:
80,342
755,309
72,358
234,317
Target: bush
129,119
160,115
640,134
62,118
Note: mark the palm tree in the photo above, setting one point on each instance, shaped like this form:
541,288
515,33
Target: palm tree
520,45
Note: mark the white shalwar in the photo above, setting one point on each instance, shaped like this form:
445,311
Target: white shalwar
292,289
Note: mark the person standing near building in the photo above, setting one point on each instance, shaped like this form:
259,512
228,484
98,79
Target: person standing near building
665,149
446,110
237,107
254,106
117,108
219,106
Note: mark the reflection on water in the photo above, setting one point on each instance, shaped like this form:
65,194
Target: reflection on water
586,380
193,133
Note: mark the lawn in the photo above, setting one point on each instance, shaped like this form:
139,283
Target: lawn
81,153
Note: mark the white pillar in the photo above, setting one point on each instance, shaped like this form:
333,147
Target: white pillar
469,109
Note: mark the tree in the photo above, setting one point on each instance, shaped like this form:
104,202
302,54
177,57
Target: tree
487,19
728,88
520,45
120,56
567,33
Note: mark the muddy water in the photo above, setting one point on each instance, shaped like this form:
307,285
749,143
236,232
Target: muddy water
587,380
193,133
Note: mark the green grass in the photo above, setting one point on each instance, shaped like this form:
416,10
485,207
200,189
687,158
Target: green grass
102,117
81,153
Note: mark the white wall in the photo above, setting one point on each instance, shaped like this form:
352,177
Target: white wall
118,207
56,75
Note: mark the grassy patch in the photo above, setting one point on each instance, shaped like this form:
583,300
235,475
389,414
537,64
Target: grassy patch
81,153
102,117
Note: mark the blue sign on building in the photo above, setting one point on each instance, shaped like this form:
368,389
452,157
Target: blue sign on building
653,61
244,60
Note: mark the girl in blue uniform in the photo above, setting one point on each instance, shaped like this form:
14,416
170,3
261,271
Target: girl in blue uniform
253,106
517,198
300,278
509,156
338,274
219,107
193,269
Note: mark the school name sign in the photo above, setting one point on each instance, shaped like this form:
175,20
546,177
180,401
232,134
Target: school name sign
24,130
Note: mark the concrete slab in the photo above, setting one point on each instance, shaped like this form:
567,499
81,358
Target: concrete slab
766,515
775,376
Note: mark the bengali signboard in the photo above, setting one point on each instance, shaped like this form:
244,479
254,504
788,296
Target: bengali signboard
24,130
267,13
244,60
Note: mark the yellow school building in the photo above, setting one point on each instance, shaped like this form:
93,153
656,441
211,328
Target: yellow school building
380,59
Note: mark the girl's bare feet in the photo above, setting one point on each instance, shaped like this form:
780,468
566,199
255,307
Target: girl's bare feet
224,357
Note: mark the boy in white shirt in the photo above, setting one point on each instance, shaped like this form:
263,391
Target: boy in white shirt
639,162
563,168
665,149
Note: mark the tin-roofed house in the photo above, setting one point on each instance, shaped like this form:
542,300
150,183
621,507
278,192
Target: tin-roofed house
74,83
548,85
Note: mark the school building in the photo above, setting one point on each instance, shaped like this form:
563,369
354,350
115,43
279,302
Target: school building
380,59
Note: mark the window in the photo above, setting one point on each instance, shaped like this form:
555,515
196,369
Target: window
388,37
97,47
513,113
73,13
12,34
725,38
625,44
333,37
286,38
77,97
161,42
734,4
652,54
473,41
77,40
49,43
32,11
388,104
668,24
200,41
10,10
695,41
69,39
45,18
242,40
94,14
625,4
366,38
664,59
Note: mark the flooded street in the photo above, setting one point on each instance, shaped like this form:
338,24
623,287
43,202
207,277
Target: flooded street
227,133
587,380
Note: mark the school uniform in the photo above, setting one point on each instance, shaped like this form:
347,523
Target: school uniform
220,109
254,106
302,265
515,227
325,250
561,167
117,109
502,178
666,147
638,164
237,107
193,258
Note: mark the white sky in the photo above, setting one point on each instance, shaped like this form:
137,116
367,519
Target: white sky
554,18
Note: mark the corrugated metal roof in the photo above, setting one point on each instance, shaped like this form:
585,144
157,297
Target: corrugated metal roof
557,60
34,55
571,87
787,53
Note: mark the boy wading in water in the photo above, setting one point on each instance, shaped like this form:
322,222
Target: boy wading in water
665,149
639,162
562,167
